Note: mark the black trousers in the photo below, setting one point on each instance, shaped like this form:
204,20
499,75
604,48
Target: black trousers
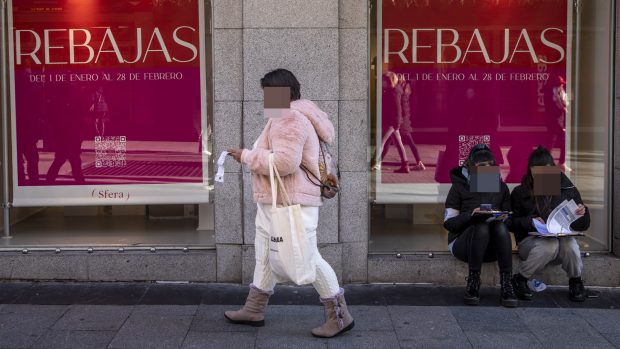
482,243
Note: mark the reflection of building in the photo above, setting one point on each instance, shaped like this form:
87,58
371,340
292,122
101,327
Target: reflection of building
364,229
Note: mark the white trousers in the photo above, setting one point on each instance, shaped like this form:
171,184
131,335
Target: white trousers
326,282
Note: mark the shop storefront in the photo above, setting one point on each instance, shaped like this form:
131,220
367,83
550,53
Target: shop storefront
153,91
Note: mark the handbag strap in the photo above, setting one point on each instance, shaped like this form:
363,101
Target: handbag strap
273,175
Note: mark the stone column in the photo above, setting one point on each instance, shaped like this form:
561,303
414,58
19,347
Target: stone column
353,138
301,36
227,131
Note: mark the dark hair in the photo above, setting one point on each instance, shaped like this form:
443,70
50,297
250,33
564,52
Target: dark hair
482,156
479,153
282,78
539,157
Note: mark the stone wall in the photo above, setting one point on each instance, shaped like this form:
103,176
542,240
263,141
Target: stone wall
324,43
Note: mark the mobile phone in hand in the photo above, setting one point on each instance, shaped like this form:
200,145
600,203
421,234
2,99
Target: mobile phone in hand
486,207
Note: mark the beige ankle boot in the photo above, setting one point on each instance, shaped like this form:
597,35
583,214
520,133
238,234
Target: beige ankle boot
253,312
338,318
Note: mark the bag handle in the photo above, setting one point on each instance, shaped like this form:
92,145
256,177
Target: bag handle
273,172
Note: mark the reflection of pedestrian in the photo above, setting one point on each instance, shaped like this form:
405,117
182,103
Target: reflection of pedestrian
100,108
556,103
28,132
406,129
392,115
67,104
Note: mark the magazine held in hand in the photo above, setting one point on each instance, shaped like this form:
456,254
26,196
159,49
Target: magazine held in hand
559,221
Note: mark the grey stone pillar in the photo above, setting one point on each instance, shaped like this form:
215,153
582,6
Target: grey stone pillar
227,125
301,36
616,149
353,138
324,43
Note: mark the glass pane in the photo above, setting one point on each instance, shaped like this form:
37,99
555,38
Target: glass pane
115,96
512,75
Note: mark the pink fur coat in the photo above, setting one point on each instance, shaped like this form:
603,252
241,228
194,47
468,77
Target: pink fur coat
294,140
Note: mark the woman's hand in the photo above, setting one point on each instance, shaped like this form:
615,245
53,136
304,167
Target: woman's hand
477,209
581,210
235,153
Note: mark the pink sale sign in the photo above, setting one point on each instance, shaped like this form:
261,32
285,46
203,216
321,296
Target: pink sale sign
453,74
109,102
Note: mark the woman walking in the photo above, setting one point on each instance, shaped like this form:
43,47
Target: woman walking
293,139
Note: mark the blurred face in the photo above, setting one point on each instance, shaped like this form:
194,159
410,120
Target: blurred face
484,177
277,101
547,180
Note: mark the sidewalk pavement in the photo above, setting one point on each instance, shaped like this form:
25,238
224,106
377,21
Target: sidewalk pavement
145,315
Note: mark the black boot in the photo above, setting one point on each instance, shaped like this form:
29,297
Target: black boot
522,290
576,290
508,297
472,295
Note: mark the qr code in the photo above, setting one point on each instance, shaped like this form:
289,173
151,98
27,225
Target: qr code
110,151
466,142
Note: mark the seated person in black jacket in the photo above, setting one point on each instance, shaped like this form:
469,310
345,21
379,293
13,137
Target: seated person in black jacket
535,251
473,237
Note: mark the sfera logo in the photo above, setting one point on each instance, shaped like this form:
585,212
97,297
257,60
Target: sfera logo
110,194
277,239
86,45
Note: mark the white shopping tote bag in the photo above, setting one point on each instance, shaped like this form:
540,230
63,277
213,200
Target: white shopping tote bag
290,255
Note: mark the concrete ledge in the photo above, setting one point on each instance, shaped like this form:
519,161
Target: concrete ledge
599,270
198,266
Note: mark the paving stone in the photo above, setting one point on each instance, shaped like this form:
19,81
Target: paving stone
152,331
491,319
443,343
604,321
285,324
218,340
301,338
364,339
94,318
428,323
21,325
168,310
492,340
298,318
210,318
562,328
74,339
613,338
371,318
